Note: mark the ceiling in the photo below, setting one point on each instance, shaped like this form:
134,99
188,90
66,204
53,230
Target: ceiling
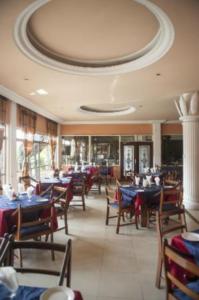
96,31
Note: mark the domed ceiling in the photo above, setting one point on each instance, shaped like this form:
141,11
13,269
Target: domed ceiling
100,55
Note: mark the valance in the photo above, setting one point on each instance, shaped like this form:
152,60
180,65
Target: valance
51,128
3,110
27,120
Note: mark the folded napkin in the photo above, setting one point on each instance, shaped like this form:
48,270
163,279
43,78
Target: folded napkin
157,180
149,179
137,180
145,182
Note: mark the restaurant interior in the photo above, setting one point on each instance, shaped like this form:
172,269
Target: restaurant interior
99,147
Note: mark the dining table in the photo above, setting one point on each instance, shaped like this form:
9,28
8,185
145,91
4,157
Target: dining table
7,207
29,293
142,196
46,182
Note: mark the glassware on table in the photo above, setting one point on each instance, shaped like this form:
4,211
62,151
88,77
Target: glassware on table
8,277
29,190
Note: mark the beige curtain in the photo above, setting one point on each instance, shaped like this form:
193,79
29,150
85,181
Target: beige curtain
52,133
3,121
27,122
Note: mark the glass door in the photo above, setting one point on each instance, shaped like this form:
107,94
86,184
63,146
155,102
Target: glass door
135,157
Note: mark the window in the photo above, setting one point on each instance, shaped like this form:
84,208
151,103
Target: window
40,158
3,155
172,147
74,150
105,150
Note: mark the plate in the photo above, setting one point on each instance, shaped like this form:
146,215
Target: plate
42,200
190,236
139,190
168,186
58,293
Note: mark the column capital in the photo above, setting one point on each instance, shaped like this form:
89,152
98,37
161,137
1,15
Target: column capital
188,106
189,118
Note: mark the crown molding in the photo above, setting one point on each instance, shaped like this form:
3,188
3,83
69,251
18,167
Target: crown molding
27,103
113,122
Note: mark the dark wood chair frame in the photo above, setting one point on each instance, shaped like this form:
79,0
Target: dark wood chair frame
62,200
183,260
65,271
163,231
78,189
120,210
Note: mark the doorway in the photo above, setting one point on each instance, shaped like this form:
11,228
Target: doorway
136,156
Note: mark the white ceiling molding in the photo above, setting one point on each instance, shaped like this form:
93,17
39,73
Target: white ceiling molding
27,103
152,52
113,122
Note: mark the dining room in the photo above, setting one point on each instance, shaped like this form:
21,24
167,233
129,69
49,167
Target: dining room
99,145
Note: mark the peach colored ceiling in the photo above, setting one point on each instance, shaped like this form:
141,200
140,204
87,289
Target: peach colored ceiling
100,29
151,95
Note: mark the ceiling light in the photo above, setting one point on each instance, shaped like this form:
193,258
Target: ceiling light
41,92
32,94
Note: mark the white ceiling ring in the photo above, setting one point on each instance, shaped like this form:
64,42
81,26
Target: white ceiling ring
151,53
107,112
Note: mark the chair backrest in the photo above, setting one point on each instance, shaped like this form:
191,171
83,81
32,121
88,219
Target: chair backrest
60,195
164,229
4,247
172,255
65,269
40,216
110,194
172,197
28,181
78,186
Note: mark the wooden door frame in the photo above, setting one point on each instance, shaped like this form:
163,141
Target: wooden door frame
136,144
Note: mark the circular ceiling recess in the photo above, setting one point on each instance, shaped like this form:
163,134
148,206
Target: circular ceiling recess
124,110
90,37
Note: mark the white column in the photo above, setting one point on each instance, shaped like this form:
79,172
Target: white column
11,148
188,108
157,143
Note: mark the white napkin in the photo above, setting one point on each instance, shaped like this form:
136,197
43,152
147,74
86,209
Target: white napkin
6,189
21,188
157,180
149,179
137,180
29,190
145,182
8,277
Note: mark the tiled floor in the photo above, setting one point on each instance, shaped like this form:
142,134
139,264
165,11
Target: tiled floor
106,266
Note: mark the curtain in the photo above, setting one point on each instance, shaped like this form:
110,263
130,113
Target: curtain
3,110
27,122
1,146
52,133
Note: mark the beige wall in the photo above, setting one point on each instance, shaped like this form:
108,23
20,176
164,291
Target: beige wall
106,129
171,129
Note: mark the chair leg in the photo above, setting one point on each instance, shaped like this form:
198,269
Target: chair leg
83,202
159,271
52,251
20,258
66,223
118,223
107,215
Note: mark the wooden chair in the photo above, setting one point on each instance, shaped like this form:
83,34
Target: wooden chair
78,190
177,290
65,270
4,247
34,222
97,183
61,204
164,229
28,181
121,208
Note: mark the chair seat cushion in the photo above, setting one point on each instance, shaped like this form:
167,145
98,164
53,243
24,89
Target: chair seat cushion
194,286
25,231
